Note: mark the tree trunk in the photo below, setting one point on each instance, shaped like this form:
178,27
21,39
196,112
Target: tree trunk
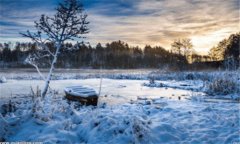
47,82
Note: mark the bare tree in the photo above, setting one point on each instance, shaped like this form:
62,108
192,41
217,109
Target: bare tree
183,47
69,23
176,46
187,46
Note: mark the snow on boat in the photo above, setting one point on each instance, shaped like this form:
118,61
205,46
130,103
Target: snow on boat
85,95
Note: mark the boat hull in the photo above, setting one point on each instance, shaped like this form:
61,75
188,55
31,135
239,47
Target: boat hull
91,100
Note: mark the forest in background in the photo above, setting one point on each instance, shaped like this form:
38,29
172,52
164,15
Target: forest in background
120,55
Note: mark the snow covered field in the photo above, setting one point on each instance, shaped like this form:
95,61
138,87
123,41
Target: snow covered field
130,110
163,121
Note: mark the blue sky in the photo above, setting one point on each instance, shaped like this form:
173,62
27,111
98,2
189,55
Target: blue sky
138,22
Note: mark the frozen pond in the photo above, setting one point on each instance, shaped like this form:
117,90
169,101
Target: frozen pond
113,91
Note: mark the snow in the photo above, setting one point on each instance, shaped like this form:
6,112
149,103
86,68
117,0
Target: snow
129,111
163,121
80,91
193,85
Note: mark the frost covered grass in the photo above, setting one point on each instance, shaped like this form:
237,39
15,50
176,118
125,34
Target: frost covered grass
139,74
193,75
223,86
62,74
161,121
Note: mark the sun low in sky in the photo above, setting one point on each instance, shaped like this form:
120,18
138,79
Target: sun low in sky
137,22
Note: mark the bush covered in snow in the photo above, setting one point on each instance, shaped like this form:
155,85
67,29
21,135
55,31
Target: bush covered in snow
3,79
223,85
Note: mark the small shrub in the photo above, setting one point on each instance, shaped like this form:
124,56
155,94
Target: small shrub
151,80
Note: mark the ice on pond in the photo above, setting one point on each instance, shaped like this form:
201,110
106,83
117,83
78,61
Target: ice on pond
126,90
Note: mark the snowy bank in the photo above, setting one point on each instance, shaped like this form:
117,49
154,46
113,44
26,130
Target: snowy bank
162,121
193,85
219,84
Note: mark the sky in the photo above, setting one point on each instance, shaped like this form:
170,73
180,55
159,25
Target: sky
137,22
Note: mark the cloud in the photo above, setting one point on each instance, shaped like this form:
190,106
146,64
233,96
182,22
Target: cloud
138,22
19,16
161,21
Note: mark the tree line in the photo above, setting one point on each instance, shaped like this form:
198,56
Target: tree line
118,54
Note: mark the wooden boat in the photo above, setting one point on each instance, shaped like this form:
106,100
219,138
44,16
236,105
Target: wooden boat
85,95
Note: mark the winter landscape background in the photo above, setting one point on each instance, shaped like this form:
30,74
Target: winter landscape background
164,71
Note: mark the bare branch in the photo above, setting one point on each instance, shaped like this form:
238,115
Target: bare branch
68,23
31,59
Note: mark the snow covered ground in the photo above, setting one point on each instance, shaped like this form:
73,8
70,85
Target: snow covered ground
130,110
161,121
